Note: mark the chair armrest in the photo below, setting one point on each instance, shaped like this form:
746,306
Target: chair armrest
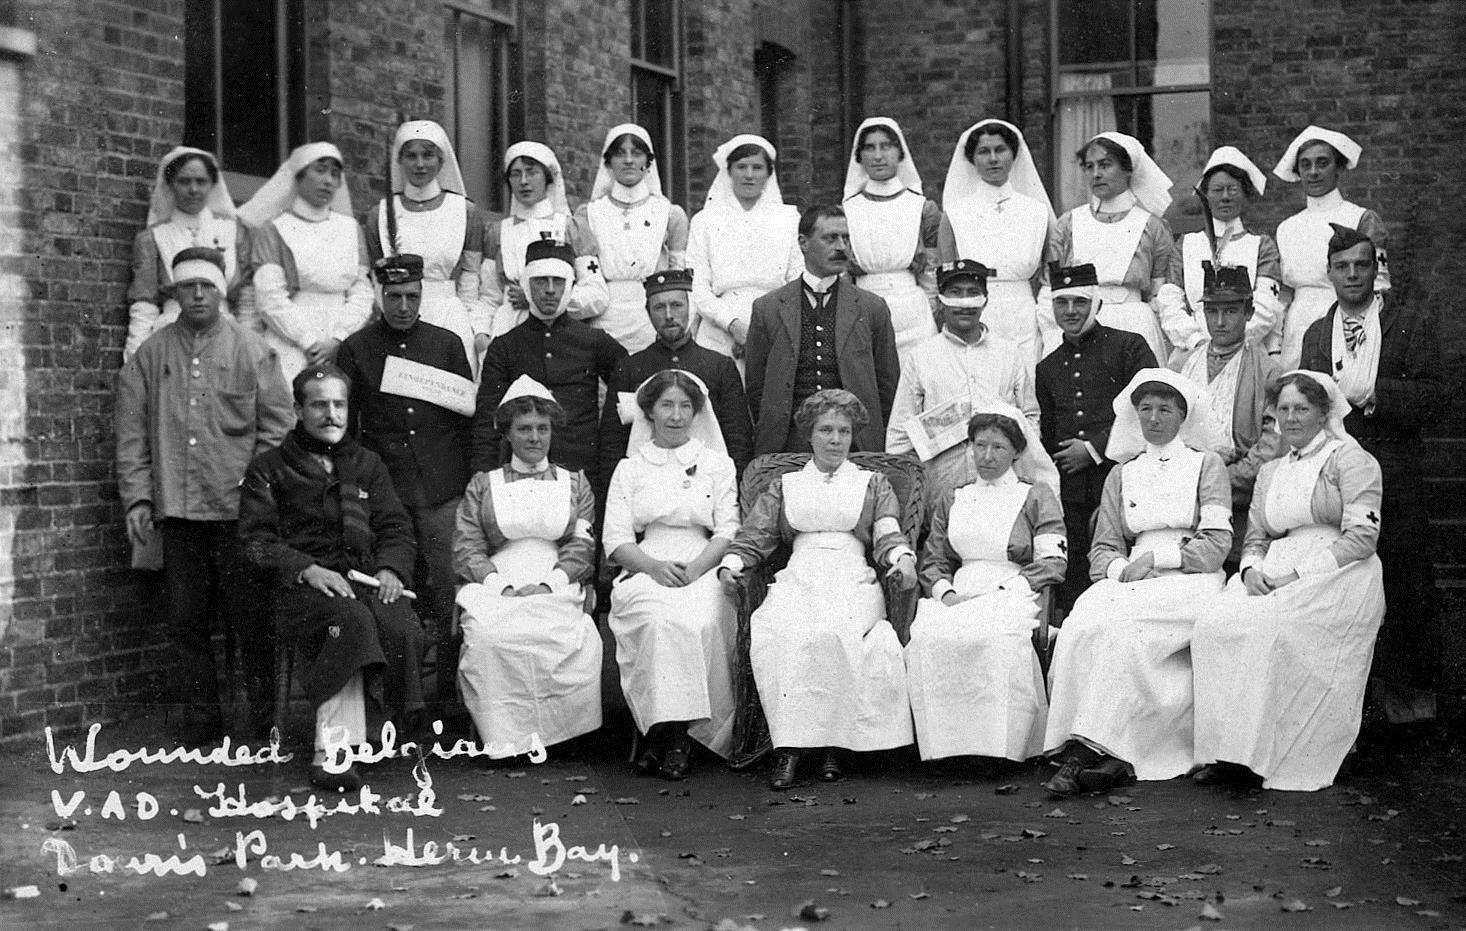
750,728
900,606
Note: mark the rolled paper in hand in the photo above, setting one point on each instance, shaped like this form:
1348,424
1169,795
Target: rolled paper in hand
371,581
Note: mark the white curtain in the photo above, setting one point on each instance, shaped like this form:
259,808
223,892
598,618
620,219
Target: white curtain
1080,119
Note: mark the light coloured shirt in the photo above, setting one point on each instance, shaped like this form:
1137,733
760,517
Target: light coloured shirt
944,367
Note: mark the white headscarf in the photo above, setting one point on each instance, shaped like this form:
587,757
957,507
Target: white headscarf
964,184
1233,157
1150,185
1033,465
1287,166
526,387
906,173
720,192
1338,404
450,177
606,181
276,195
555,188
162,204
704,425
549,268
1126,439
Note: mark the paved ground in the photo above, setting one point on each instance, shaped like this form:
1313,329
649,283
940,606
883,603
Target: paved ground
907,847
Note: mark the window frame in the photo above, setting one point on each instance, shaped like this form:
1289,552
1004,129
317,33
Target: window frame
671,149
510,119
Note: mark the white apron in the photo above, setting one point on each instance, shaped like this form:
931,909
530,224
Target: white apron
630,244
885,236
675,646
1008,236
326,265
974,677
829,669
515,235
1303,245
1280,678
531,665
1121,672
1111,248
438,236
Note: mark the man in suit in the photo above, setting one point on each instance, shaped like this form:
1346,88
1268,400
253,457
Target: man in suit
668,304
1386,358
819,331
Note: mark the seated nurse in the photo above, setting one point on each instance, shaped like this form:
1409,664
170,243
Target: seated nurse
976,685
1120,708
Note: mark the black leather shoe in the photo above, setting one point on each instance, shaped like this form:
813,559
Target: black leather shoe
677,762
1065,782
1110,774
1212,774
1226,774
830,770
650,759
785,771
349,781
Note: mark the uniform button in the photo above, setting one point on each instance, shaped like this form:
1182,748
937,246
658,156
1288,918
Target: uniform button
193,441
548,355
1081,433
193,402
1076,374
195,361
1077,394
197,374
1079,413
675,359
817,343
401,345
409,410
1078,356
819,329
412,433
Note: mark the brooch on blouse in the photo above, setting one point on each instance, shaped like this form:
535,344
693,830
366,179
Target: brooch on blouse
691,471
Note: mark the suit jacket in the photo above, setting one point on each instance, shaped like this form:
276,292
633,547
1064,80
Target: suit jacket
865,350
1410,388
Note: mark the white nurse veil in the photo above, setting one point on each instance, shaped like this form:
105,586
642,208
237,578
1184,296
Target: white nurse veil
1287,166
1338,404
555,188
450,176
906,173
720,192
161,205
965,185
704,426
1033,465
1126,439
1150,185
277,194
605,181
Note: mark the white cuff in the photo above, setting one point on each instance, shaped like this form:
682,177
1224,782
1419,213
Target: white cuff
940,589
731,562
558,578
886,525
898,552
583,529
1098,459
1248,561
1167,555
1116,566
1318,562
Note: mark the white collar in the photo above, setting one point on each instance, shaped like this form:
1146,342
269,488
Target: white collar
846,469
427,192
686,454
1166,453
1227,230
542,209
1120,203
1005,480
191,221
524,468
1372,308
954,339
631,196
1329,201
308,213
1313,445
892,185
989,194
819,285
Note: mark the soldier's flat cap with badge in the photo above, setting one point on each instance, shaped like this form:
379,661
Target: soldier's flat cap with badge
1072,278
948,272
401,268
671,279
1224,283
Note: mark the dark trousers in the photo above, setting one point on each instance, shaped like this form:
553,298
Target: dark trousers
1408,651
433,527
206,576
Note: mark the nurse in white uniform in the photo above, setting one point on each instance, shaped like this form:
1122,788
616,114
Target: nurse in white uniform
743,244
1121,233
1317,157
996,211
1120,709
431,216
893,229
310,257
639,232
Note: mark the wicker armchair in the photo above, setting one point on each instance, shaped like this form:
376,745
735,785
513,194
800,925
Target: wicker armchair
750,729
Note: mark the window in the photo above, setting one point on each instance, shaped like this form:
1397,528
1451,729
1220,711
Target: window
771,66
244,84
1142,67
485,93
655,53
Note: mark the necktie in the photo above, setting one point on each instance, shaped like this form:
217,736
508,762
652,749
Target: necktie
1353,333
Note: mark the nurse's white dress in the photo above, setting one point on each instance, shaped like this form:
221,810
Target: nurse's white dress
1121,671
828,667
1280,678
975,681
530,669
674,645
